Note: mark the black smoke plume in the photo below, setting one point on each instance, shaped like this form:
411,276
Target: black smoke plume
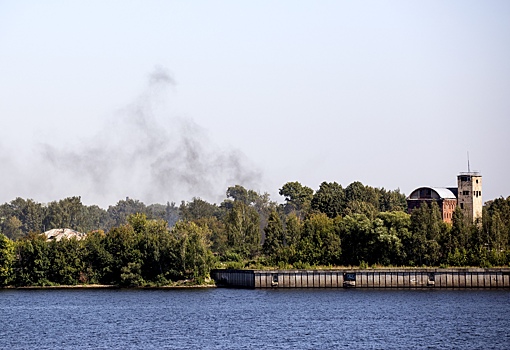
139,156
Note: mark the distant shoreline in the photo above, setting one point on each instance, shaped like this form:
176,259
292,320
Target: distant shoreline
107,286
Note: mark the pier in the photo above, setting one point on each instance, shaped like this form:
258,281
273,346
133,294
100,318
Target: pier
366,278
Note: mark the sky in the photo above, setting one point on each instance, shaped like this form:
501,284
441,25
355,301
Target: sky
169,100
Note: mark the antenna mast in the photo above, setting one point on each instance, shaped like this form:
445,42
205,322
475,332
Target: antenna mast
469,169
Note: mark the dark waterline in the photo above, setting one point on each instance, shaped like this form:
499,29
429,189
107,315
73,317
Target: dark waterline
251,319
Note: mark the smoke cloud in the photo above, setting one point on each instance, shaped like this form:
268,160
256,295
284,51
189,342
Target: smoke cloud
138,155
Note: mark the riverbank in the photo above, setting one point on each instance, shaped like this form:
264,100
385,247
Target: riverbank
106,286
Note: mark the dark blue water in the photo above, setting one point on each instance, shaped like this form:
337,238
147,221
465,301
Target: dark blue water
254,319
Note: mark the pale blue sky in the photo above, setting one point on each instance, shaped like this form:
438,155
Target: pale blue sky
166,100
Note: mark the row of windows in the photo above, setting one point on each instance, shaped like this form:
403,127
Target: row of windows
475,193
467,178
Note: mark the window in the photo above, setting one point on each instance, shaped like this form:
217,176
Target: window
461,205
425,193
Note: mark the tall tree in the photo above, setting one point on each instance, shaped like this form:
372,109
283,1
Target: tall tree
243,229
65,261
358,239
119,212
392,241
32,261
12,227
428,230
391,200
320,243
329,199
275,236
122,244
66,213
6,260
239,193
198,208
297,197
195,258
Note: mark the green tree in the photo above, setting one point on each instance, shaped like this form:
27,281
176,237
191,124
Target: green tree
13,228
198,208
159,252
358,239
65,261
122,243
456,240
118,213
320,243
356,191
168,212
398,226
217,234
361,199
293,229
329,199
361,207
260,202
28,212
195,258
32,262
297,197
428,229
6,260
243,230
391,200
274,236
496,224
94,218
239,193
97,261
66,213
387,246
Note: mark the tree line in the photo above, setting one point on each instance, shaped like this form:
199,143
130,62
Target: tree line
131,244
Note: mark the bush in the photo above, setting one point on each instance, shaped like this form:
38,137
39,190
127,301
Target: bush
302,265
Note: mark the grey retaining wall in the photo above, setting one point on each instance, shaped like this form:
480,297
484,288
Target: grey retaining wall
370,278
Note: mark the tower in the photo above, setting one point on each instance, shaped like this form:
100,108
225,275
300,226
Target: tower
469,197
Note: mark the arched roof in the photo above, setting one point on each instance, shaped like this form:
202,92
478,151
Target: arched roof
432,193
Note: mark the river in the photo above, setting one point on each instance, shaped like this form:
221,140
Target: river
216,318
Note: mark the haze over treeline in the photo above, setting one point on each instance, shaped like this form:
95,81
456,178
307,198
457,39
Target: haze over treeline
137,154
134,244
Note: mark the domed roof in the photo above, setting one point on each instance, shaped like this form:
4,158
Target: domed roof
432,193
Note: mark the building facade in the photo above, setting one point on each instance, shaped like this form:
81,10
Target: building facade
445,198
467,195
469,198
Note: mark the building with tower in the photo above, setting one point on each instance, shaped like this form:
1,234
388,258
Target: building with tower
467,195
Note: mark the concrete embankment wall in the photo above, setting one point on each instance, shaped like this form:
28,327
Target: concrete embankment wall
370,278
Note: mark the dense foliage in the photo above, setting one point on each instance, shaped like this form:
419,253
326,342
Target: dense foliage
131,244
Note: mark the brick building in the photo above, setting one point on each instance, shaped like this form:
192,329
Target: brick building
446,198
467,195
